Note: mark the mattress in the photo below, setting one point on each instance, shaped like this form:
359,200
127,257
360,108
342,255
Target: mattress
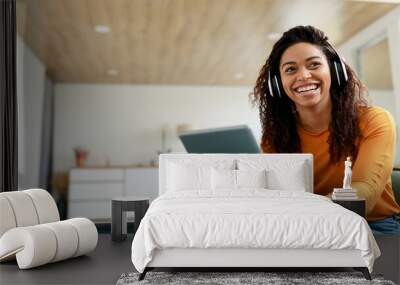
250,219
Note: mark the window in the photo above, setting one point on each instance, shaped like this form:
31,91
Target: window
375,67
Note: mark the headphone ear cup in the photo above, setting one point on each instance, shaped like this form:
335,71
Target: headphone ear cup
277,89
273,85
271,91
340,74
335,75
345,76
338,69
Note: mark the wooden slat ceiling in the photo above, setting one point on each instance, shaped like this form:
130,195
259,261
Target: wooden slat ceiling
191,42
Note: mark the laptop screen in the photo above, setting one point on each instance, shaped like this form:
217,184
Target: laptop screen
236,139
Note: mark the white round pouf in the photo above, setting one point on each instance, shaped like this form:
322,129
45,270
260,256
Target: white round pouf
45,205
33,246
23,208
67,240
7,218
87,234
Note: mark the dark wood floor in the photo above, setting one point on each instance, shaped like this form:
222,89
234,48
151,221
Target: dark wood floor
102,266
110,259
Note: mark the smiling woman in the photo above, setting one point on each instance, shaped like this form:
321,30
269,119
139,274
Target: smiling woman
311,101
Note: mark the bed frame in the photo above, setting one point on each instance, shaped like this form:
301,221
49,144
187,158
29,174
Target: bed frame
240,259
244,259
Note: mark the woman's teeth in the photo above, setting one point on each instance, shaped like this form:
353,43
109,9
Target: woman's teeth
307,89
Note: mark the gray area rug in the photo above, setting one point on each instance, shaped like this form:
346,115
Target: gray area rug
229,278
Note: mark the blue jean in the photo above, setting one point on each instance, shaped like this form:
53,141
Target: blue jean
389,225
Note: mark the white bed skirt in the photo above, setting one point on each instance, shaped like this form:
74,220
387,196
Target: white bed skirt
193,257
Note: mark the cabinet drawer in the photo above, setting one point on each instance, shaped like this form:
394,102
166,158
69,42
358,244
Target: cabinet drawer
91,210
95,191
98,175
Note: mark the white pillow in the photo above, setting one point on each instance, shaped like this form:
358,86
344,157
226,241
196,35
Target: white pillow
236,179
223,179
292,179
281,174
188,175
251,178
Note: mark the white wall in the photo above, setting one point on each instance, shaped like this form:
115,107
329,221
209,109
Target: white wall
384,98
386,26
122,123
30,91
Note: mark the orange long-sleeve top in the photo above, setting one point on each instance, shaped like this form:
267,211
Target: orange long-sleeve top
371,169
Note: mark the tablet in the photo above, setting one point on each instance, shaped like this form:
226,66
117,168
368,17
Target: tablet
236,139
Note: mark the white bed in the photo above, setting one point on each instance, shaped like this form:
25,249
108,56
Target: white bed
198,222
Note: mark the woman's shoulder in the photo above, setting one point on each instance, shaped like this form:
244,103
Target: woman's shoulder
374,112
373,117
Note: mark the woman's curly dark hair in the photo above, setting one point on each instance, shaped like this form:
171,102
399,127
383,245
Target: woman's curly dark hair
278,116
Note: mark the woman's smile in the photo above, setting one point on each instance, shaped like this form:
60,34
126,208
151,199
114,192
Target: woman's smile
309,89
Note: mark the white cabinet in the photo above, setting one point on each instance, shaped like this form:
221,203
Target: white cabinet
95,190
91,190
94,210
79,175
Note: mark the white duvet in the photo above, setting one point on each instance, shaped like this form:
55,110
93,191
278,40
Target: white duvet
250,219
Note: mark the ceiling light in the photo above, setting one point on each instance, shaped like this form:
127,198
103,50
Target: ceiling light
112,72
102,29
274,36
238,75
